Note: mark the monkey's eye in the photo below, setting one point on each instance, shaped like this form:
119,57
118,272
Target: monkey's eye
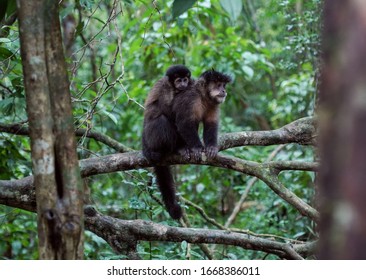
185,80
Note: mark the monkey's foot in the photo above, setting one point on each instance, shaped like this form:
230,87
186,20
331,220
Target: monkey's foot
185,153
211,151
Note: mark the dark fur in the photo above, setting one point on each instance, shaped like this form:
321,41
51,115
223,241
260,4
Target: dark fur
201,104
177,71
171,125
160,136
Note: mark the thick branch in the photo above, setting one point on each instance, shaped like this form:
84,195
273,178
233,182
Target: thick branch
131,231
21,129
302,131
18,193
265,172
292,165
119,232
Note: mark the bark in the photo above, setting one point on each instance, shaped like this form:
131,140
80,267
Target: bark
343,131
267,172
54,160
302,131
22,129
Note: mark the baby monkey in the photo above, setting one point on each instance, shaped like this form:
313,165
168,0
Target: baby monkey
160,136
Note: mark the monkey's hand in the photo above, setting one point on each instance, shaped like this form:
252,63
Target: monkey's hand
211,151
196,153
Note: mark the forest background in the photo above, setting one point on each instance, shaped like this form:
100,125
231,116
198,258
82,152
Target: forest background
115,51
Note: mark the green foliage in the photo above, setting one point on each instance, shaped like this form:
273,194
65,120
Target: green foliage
181,6
8,8
232,7
270,48
17,241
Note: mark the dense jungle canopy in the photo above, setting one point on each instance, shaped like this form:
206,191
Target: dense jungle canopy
98,60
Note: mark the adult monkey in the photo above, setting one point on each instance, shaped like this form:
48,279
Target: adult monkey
201,105
160,136
190,107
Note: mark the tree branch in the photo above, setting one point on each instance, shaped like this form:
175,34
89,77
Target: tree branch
20,193
132,231
135,160
123,234
244,195
21,129
301,131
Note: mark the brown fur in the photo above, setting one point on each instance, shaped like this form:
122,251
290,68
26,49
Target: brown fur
212,116
172,117
200,104
159,99
160,136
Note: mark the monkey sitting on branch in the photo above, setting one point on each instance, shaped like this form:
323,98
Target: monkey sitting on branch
159,137
171,121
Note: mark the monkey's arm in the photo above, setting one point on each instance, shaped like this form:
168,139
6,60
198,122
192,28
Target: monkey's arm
210,133
188,130
210,130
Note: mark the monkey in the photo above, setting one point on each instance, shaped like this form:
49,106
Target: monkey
176,127
201,105
160,136
159,133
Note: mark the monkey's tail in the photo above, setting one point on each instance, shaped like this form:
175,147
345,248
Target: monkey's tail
165,182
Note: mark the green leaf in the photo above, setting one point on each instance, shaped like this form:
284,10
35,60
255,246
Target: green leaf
5,53
111,116
184,245
181,6
5,40
232,7
7,106
12,7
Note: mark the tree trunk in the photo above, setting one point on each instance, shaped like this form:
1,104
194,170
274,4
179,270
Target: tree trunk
343,131
56,172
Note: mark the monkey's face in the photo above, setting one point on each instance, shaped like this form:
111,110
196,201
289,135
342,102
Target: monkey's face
217,91
181,83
